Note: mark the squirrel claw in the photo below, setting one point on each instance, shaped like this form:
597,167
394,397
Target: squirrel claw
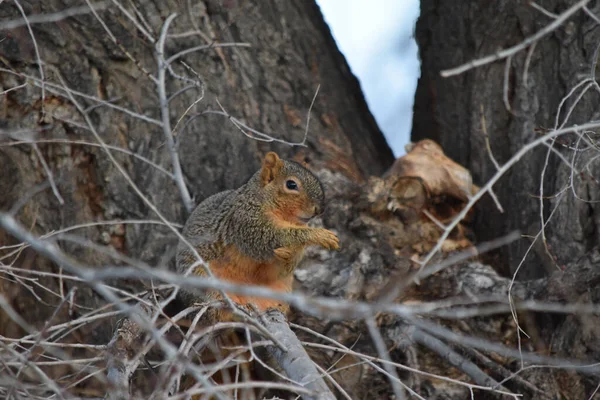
328,240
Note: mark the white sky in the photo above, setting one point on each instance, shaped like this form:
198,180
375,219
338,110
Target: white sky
376,37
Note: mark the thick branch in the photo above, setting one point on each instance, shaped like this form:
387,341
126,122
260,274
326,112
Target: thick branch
295,361
123,356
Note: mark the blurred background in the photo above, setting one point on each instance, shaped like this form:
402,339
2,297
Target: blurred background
376,37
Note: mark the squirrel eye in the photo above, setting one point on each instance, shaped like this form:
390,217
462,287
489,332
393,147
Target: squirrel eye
291,185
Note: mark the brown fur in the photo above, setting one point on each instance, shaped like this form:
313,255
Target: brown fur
256,235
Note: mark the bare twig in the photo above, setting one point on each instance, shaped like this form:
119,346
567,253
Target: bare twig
39,59
312,103
182,53
515,49
119,45
164,110
246,130
486,345
92,144
13,88
383,354
400,282
52,252
370,360
64,91
52,17
591,15
48,173
436,345
543,10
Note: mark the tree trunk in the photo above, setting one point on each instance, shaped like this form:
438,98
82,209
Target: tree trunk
269,86
88,160
504,105
450,111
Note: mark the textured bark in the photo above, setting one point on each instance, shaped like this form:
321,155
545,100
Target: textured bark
269,86
449,110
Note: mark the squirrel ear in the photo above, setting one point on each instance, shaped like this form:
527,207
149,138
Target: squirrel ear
270,167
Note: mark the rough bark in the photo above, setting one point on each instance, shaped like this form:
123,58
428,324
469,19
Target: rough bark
449,110
513,104
269,87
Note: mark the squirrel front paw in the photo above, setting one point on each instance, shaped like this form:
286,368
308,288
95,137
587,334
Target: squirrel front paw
284,254
327,239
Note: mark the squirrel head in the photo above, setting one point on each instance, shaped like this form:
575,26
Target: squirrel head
294,193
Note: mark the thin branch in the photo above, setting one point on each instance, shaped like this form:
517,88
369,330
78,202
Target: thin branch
543,10
48,173
182,53
118,44
487,345
591,15
383,354
312,103
370,361
39,59
164,111
400,282
505,85
64,91
92,144
515,49
52,17
254,134
13,88
505,168
444,351
51,251
139,27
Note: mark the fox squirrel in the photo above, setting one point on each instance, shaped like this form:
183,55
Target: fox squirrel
257,234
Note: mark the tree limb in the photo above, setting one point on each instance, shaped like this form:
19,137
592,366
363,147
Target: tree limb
295,361
124,356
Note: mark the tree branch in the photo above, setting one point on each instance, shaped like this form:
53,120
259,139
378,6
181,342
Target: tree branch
295,361
123,355
164,111
515,49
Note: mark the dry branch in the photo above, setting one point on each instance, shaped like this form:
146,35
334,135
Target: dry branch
294,360
123,355
165,114
558,22
455,359
340,291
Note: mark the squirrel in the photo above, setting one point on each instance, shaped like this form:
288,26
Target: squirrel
256,235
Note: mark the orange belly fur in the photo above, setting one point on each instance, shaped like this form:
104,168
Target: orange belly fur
240,269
